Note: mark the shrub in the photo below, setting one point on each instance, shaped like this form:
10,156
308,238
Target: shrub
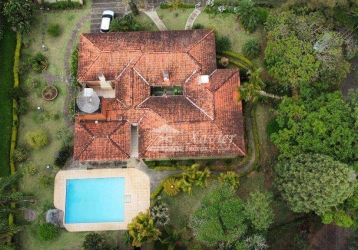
94,241
150,164
31,82
251,48
127,239
74,66
38,62
198,26
248,15
223,43
262,15
54,30
20,154
224,61
171,186
231,178
46,181
47,231
272,127
37,139
21,67
16,93
160,214
63,155
22,106
62,5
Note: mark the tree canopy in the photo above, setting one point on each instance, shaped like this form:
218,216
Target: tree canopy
318,123
313,182
19,13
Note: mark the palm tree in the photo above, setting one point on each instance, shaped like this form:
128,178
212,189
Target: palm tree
193,177
7,195
247,12
143,230
251,90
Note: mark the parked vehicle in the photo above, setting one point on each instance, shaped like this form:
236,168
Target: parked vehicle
107,17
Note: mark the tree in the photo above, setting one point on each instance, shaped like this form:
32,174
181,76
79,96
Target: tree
37,139
142,229
318,123
223,44
124,24
19,13
258,210
313,182
171,186
94,241
47,231
251,48
192,176
251,90
7,195
231,178
219,220
248,14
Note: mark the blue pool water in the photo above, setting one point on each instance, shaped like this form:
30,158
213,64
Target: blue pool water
94,200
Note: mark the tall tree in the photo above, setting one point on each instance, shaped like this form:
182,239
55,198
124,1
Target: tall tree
258,210
314,183
19,13
219,220
318,123
143,230
248,14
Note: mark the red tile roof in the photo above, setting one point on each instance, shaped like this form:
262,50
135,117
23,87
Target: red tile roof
206,121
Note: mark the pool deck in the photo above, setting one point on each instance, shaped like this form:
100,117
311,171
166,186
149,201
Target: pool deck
137,185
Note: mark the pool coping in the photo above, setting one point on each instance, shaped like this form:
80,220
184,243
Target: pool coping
137,185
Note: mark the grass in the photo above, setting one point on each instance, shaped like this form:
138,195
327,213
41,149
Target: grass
226,24
145,21
56,45
7,50
269,152
176,19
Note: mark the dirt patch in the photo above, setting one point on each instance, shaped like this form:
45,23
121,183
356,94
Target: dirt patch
30,215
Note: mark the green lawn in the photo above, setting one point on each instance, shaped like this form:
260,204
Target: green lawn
226,24
176,19
145,21
7,50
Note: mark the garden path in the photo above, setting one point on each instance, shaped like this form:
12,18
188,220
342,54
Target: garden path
155,18
191,19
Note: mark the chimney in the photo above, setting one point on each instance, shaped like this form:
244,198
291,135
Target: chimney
204,79
102,81
166,75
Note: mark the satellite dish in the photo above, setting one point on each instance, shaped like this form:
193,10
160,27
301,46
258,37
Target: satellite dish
88,100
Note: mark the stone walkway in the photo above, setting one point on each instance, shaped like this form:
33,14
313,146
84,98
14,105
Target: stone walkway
155,18
192,17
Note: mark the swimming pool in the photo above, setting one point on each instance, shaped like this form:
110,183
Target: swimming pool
94,200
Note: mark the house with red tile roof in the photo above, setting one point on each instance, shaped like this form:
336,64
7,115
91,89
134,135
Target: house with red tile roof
155,95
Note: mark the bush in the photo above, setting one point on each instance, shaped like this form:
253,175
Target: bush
62,5
223,43
127,239
171,186
37,139
20,154
32,82
63,155
251,48
198,26
47,231
94,241
22,106
38,62
231,178
46,181
262,15
248,14
74,65
272,127
21,67
16,93
53,30
150,164
134,8
160,214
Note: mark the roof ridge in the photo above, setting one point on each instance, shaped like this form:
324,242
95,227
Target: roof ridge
195,105
224,81
118,147
198,41
125,68
89,143
99,50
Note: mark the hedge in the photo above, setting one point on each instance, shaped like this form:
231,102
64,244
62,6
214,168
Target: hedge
240,57
170,168
62,5
182,5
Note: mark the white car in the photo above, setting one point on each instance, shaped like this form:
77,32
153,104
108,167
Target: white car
107,17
